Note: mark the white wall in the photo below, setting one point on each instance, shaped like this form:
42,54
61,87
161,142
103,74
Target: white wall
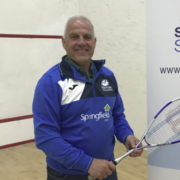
16,131
120,30
36,16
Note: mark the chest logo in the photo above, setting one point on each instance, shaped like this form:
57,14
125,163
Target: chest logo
105,85
101,115
105,82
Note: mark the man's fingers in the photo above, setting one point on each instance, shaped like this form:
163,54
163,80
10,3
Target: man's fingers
112,166
101,168
136,153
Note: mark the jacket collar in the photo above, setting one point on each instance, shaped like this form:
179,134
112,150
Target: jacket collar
67,71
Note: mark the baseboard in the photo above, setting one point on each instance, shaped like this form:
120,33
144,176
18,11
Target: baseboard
17,144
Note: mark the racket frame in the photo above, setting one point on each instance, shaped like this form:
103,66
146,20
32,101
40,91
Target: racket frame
117,160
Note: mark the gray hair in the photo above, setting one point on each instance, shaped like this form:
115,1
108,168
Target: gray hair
77,17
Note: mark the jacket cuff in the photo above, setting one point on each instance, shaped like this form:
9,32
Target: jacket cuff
84,163
126,135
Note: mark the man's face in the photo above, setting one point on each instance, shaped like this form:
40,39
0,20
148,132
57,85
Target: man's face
79,41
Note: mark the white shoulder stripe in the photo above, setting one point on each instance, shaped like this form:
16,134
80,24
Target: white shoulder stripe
72,90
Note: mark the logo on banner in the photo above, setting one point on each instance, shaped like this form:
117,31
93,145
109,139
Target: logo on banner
177,42
173,69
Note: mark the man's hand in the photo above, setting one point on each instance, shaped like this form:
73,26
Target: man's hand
132,141
101,168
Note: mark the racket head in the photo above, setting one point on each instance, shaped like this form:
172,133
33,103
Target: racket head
165,128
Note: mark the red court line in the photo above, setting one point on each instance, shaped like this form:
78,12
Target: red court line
16,118
16,144
30,36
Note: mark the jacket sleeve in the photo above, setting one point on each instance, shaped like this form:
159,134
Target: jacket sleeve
47,127
121,126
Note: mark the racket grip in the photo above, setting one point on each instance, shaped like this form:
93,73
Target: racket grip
114,162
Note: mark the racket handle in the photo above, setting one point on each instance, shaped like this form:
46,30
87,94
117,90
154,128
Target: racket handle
114,162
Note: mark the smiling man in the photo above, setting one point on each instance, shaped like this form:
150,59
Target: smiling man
77,111
79,42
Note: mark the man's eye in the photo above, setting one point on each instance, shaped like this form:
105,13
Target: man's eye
87,37
73,37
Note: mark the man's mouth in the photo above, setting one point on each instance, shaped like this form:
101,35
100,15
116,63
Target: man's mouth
81,50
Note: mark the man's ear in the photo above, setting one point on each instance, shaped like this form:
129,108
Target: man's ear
63,42
95,40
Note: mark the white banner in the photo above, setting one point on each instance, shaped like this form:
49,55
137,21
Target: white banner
163,79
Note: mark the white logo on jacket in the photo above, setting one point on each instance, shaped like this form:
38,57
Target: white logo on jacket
105,82
98,116
105,85
71,90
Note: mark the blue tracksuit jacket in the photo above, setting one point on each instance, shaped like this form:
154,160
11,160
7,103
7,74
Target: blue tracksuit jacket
75,120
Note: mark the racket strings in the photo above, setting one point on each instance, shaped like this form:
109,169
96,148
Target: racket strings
166,126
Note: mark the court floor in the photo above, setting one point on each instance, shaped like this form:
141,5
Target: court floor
26,162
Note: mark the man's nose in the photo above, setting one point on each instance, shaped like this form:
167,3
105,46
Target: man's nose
81,41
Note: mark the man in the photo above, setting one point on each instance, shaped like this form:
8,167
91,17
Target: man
78,110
